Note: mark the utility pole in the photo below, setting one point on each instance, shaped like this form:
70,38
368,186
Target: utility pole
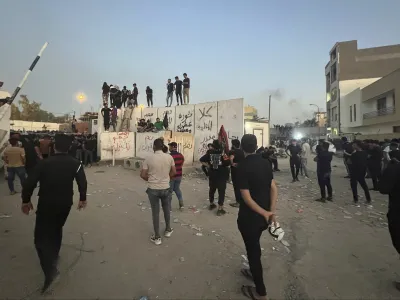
269,109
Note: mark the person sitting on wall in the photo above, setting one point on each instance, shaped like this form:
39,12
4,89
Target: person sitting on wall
159,125
149,126
141,127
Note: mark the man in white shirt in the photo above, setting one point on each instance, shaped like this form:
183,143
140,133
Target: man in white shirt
157,170
305,155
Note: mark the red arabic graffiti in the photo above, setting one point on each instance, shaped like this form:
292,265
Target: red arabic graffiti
121,141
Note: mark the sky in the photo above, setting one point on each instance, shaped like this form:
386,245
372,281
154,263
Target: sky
229,48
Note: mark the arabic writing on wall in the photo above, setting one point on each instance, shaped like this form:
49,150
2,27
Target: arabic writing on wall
185,122
121,141
204,122
204,144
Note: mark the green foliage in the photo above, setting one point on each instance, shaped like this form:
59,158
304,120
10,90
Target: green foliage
31,111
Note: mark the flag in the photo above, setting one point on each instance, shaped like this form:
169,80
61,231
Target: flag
1,83
165,121
223,139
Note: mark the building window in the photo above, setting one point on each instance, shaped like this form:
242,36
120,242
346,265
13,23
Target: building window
351,113
333,73
354,112
328,82
396,129
381,103
333,54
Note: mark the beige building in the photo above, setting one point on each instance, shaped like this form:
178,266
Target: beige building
373,111
250,112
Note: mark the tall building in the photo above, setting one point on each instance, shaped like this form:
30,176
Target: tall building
350,68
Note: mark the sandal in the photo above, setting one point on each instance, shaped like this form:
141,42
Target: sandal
247,273
247,291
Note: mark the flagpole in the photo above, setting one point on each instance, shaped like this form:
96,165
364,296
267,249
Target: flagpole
19,87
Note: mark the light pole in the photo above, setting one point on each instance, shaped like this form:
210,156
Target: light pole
319,127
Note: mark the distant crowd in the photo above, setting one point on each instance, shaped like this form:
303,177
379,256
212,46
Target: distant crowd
113,96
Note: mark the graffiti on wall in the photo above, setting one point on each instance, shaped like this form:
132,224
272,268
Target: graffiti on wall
121,141
184,117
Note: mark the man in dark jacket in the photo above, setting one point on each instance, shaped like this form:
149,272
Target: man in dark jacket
218,175
324,159
347,150
375,156
388,185
56,176
358,169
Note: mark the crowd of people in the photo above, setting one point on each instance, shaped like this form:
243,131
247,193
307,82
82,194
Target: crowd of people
56,162
23,152
113,96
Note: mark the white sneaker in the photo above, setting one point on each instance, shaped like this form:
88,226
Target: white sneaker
155,240
168,233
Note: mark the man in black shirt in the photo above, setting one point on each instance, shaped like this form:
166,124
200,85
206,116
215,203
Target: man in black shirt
170,92
178,90
358,169
324,159
135,93
218,174
105,112
294,150
236,155
149,95
257,210
125,94
389,186
186,87
56,176
375,156
113,93
347,150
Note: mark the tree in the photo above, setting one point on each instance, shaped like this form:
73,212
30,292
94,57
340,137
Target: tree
32,111
310,123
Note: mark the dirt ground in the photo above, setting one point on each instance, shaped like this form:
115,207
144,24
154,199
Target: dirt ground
336,251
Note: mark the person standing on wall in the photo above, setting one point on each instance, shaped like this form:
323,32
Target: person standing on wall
149,95
257,209
125,94
56,176
236,155
135,93
170,92
105,93
113,93
178,90
175,183
105,112
186,87
157,169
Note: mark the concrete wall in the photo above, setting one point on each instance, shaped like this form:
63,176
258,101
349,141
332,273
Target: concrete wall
351,99
33,126
203,121
122,142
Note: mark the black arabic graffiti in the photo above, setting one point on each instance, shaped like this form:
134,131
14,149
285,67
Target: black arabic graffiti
185,123
204,144
148,115
205,126
187,145
232,137
205,113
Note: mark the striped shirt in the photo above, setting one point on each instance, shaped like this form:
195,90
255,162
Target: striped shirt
178,159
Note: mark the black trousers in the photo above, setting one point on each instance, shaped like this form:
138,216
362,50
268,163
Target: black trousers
205,170
220,185
149,100
178,95
48,235
375,169
106,123
251,237
355,178
324,181
294,167
274,162
394,228
235,184
124,99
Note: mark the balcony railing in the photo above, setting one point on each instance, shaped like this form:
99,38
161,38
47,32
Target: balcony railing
382,112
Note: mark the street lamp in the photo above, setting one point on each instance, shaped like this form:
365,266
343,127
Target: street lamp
319,127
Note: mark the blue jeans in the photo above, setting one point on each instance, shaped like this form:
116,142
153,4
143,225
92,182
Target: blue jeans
154,197
11,172
175,186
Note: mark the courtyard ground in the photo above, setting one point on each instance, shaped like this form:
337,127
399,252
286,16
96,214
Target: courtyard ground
333,250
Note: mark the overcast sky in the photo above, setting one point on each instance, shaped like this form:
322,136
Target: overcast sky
229,48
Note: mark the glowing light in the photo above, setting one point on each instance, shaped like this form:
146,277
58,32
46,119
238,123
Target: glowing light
141,106
298,136
80,97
